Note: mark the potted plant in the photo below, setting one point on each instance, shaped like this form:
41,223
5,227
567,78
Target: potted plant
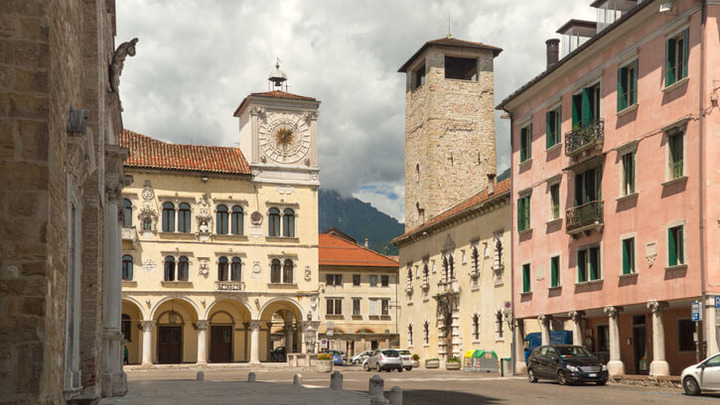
324,363
452,363
432,363
416,360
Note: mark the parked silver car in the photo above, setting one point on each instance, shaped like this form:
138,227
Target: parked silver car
406,357
704,376
384,359
360,357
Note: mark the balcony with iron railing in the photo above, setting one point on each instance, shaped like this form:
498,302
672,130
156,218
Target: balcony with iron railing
585,137
585,217
230,286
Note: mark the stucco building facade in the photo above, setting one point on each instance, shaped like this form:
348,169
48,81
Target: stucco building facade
613,159
221,252
60,118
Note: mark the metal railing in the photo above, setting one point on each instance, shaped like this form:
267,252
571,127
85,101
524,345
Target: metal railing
584,136
590,213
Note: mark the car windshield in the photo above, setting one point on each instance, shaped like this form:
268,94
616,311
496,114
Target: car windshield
390,353
404,352
572,351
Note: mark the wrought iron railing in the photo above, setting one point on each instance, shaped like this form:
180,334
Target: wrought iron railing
580,138
583,215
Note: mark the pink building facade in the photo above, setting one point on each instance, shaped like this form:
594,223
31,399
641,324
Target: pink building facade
615,176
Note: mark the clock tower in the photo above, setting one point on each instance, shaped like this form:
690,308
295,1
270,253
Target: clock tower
279,130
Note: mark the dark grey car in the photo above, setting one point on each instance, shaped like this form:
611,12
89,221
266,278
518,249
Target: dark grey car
567,364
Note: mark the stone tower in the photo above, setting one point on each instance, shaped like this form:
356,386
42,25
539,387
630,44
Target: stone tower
449,126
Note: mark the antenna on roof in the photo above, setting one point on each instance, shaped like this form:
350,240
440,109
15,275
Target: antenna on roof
449,35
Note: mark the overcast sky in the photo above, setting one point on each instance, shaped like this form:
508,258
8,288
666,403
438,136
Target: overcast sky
197,59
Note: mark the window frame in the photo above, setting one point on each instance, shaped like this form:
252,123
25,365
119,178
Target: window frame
333,306
237,214
586,266
357,307
223,269
168,217
555,272
524,213
127,267
676,56
385,281
184,218
627,85
628,168
288,270
183,268
627,255
675,138
127,213
288,223
586,105
553,127
235,269
676,255
526,272
384,307
169,268
373,280
274,222
526,142
222,217
275,271
554,193
359,280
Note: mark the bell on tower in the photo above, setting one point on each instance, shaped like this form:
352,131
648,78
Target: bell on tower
277,77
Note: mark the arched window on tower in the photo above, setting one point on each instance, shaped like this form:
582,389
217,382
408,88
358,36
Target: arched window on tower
223,269
288,220
237,220
221,220
183,269
168,217
235,269
127,268
169,268
288,271
275,271
274,222
184,218
127,213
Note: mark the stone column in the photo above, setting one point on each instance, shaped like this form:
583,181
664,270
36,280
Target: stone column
268,341
659,365
246,326
255,341
288,336
147,329
577,318
520,366
545,328
615,365
711,324
202,327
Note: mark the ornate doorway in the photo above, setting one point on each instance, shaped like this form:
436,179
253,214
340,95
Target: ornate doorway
221,344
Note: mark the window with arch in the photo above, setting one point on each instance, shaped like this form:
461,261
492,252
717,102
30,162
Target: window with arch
127,268
288,223
476,326
499,325
410,335
409,274
237,220
169,268
448,268
288,271
426,332
168,217
426,273
475,258
127,213
223,269
275,271
183,269
235,269
221,220
147,224
274,222
184,218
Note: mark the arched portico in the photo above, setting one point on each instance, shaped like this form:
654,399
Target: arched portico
175,340
228,324
280,325
132,315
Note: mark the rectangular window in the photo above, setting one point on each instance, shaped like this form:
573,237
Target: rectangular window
525,143
676,57
588,264
419,77
523,213
555,271
373,307
675,154
586,106
385,281
686,342
333,280
356,306
385,306
334,306
628,255
356,280
675,246
373,280
588,186
553,120
628,172
526,277
555,201
627,85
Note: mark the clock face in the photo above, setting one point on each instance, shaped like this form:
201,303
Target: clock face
284,137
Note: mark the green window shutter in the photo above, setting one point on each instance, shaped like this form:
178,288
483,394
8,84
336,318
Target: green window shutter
554,271
558,124
672,248
526,278
686,53
523,144
634,78
594,264
581,265
587,112
631,172
621,73
529,141
520,215
576,110
578,189
669,62
627,255
680,245
549,136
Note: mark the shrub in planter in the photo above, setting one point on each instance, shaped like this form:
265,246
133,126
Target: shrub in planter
416,360
324,363
453,363
432,363
416,357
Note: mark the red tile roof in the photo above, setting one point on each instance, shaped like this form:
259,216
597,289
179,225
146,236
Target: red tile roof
270,94
458,43
468,205
149,153
337,251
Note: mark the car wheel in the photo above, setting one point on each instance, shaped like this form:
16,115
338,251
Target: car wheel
400,369
366,366
531,376
408,368
379,369
691,386
603,382
562,380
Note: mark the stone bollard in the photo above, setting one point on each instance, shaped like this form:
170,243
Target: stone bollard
251,376
336,379
377,386
396,396
378,400
200,376
297,380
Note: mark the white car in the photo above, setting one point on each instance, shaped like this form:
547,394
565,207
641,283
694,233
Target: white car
406,359
704,376
360,357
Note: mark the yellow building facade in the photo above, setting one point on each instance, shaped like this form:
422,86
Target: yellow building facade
220,253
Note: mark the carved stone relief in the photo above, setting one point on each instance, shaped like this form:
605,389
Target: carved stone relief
149,265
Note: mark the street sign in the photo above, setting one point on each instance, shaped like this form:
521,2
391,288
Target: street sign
717,302
695,314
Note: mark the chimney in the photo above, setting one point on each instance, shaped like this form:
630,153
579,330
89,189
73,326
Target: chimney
366,242
491,183
553,50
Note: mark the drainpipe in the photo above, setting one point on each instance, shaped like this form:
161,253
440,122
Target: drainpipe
701,163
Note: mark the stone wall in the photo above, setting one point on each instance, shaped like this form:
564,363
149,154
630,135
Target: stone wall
449,135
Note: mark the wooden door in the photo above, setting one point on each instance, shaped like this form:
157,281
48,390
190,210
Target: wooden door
221,344
169,344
